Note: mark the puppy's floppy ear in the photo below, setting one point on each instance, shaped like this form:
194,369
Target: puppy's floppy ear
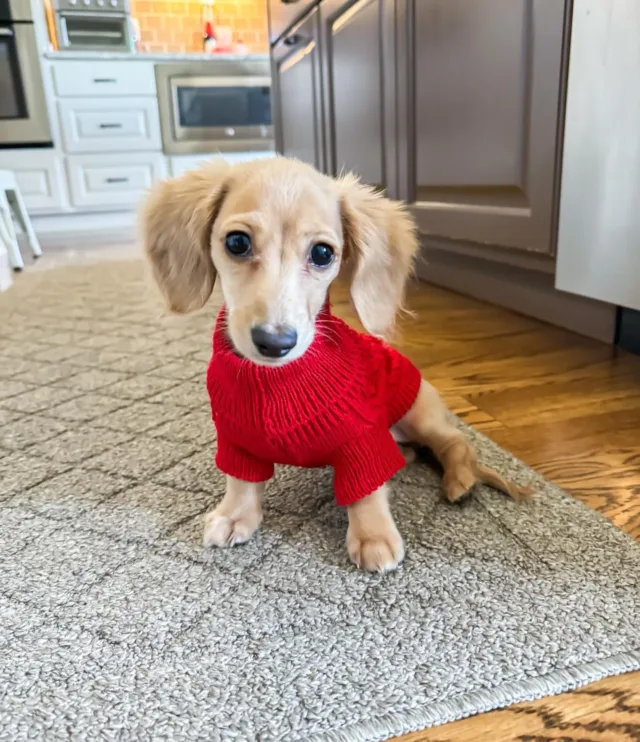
177,219
380,244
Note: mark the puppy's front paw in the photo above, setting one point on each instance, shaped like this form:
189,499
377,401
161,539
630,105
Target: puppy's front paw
223,530
381,552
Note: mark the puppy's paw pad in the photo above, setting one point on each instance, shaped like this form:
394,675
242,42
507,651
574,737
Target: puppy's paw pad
376,553
220,530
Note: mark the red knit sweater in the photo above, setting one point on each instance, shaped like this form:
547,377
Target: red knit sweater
333,406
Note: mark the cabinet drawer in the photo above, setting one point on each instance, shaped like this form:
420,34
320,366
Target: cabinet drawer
40,176
103,181
109,124
76,78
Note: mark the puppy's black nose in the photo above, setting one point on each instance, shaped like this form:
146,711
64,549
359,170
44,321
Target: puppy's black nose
276,343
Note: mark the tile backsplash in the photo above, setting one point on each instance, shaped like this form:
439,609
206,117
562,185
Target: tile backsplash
171,26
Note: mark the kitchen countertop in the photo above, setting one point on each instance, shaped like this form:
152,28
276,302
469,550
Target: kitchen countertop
167,57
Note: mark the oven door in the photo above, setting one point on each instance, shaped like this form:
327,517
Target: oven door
221,113
88,31
23,112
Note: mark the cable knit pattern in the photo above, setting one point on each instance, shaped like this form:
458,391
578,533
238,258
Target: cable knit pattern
332,407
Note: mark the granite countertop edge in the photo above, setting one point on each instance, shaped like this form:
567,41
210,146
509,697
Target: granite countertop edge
149,57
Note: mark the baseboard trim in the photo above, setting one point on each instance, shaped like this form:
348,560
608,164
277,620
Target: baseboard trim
532,261
529,292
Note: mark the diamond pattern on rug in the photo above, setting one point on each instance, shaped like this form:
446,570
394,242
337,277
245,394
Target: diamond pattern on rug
115,622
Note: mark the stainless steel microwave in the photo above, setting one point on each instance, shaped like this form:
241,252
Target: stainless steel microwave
219,105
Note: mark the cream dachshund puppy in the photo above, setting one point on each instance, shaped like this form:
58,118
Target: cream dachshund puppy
275,234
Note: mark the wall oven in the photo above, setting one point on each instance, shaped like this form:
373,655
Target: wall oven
219,105
96,25
24,120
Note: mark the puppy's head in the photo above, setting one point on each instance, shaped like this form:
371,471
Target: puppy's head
276,233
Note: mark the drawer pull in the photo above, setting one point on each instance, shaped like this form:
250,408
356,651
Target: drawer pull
116,180
110,126
104,79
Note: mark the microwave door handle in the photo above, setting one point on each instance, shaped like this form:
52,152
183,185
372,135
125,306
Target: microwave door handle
102,34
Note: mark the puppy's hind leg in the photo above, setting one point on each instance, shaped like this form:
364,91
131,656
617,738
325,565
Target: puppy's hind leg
427,423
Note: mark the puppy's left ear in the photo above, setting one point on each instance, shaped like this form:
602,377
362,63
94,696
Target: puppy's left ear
380,244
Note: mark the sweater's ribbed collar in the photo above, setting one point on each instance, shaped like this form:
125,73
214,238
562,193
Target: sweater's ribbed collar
331,367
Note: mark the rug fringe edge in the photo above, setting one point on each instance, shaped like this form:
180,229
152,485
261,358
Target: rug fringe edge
480,702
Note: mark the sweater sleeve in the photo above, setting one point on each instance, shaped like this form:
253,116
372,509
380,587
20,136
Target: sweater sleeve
238,463
364,464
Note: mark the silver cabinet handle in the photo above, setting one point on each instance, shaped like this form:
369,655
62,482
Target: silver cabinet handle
110,126
116,180
104,79
6,32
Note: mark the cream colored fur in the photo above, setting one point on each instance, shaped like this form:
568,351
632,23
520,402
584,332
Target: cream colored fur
287,207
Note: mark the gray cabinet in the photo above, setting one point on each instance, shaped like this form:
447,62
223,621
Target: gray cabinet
283,14
297,99
455,106
480,110
358,62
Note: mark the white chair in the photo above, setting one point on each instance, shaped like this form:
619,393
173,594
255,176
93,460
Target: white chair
12,207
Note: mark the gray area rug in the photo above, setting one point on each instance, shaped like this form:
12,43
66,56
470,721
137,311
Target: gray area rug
116,625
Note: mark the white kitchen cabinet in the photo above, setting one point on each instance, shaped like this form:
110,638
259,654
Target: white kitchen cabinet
40,175
109,124
113,181
76,77
179,164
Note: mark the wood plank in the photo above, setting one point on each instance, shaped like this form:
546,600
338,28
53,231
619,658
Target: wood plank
471,415
561,401
607,711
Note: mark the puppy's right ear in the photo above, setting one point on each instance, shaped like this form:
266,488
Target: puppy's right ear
177,219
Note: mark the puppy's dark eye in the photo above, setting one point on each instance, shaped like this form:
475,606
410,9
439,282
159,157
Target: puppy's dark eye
238,244
321,255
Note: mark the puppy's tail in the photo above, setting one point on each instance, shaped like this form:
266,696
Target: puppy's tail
488,476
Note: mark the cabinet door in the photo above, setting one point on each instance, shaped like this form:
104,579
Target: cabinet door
40,175
483,95
358,83
297,95
283,13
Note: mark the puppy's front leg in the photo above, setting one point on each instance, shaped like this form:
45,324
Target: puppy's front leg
237,517
373,541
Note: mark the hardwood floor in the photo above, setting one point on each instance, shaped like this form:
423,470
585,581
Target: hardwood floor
569,407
